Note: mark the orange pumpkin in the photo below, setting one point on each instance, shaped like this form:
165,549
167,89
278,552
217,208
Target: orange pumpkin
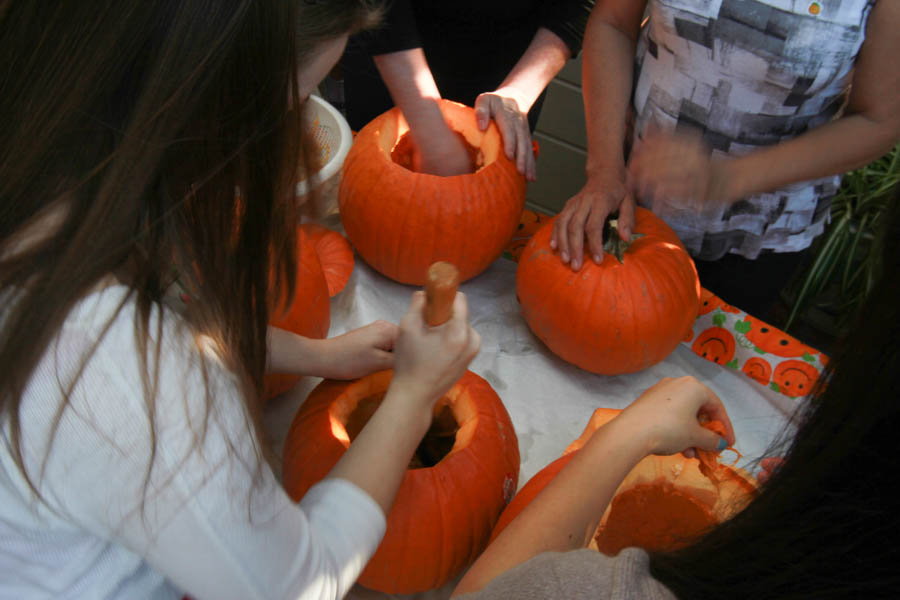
662,504
715,344
324,265
773,340
795,377
401,221
758,369
615,317
443,515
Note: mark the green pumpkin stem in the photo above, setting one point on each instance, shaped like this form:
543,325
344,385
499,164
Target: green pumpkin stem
612,243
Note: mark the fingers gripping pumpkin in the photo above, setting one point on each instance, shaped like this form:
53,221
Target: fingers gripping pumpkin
464,473
662,504
615,317
401,221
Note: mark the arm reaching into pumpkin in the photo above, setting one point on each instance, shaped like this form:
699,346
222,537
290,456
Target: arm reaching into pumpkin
427,362
564,516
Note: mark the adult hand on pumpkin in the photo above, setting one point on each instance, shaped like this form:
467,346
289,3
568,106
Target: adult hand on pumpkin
512,121
585,213
429,360
442,153
666,417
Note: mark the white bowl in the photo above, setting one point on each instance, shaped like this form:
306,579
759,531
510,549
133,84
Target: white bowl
330,131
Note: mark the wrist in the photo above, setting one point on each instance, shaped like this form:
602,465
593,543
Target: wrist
631,436
411,403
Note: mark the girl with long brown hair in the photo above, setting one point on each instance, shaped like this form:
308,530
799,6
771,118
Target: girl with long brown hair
131,462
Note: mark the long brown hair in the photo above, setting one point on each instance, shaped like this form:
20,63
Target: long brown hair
126,128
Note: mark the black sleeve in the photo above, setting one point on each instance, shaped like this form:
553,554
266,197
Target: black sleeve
396,32
568,20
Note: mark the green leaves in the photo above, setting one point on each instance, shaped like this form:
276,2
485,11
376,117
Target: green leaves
847,257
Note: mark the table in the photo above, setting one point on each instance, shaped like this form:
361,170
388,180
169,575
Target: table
548,400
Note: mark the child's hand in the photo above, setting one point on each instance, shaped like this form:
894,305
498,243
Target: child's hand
666,416
360,351
429,360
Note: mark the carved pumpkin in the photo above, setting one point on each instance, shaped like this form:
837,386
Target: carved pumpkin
715,344
662,504
324,265
443,515
615,317
795,377
758,369
401,221
773,340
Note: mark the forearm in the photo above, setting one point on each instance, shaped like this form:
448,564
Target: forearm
542,60
606,81
378,458
566,513
412,87
837,147
293,354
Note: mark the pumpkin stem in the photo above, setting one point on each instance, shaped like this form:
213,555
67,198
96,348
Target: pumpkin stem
612,243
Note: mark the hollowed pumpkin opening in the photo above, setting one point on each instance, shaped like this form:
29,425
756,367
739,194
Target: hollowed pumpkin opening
402,152
437,443
654,516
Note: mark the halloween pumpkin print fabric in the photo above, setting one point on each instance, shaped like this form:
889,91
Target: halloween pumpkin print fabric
728,336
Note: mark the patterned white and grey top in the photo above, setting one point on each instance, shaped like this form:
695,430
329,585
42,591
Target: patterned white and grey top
746,74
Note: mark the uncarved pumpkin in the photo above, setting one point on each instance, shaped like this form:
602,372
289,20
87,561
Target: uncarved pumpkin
662,504
443,514
400,221
615,317
324,265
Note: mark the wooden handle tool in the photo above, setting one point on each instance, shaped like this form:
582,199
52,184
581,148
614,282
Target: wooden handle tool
441,283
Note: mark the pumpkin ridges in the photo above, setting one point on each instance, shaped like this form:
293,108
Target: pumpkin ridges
621,311
473,237
408,542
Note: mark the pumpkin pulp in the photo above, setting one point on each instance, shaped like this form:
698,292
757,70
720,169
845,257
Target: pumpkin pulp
654,516
438,440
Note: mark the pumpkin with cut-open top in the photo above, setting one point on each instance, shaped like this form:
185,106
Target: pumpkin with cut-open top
462,476
401,221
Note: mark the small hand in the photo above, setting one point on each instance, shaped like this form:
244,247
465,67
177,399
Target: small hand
667,417
444,154
513,125
360,351
585,214
676,169
429,360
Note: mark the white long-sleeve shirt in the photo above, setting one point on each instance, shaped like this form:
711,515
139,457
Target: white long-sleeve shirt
206,519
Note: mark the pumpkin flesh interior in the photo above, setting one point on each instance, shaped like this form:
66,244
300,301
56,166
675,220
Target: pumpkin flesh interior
402,152
654,516
452,425
483,146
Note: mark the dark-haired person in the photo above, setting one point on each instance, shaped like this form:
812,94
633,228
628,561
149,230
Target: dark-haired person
745,113
495,55
825,524
131,464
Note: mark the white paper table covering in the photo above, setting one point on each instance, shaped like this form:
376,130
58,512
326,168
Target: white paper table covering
548,400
